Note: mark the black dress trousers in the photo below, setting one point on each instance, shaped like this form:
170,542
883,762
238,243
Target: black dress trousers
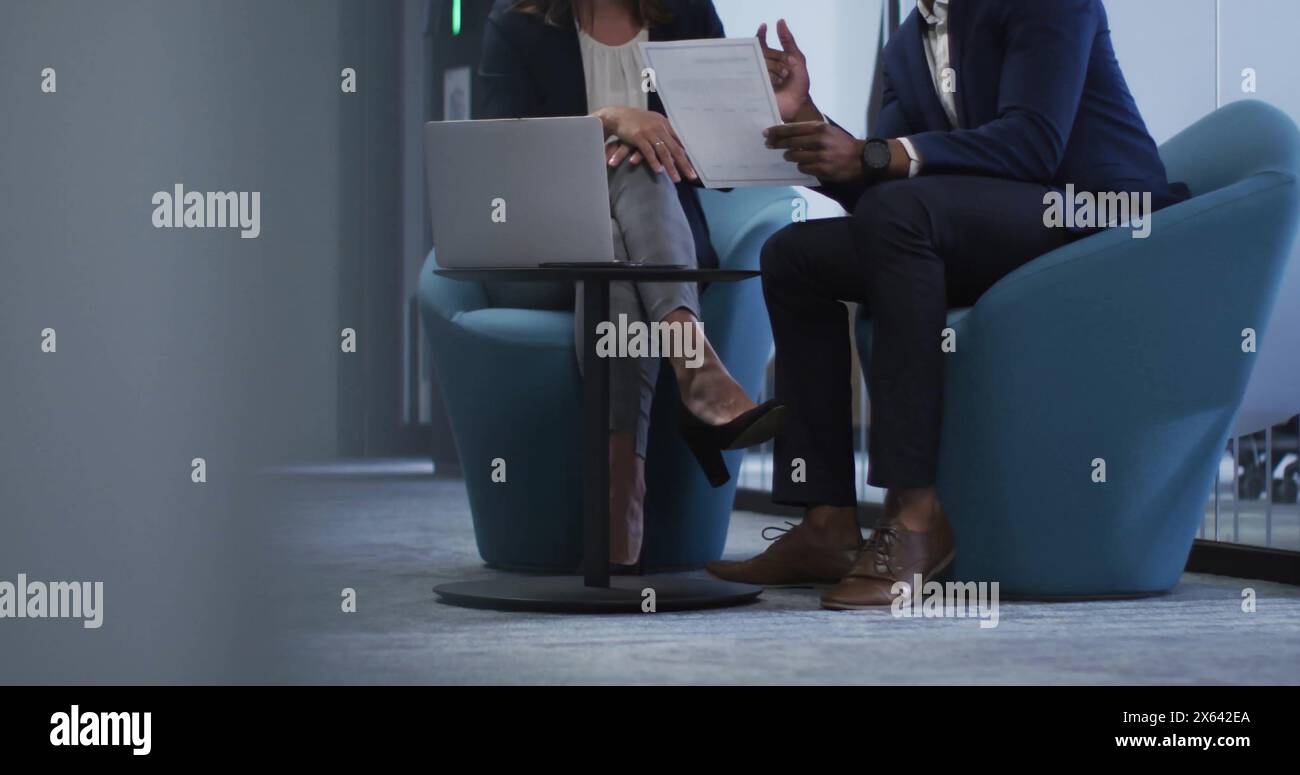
910,250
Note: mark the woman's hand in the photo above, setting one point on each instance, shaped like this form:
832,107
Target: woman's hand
619,151
651,135
788,68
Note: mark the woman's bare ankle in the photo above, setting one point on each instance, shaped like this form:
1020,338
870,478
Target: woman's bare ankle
714,396
627,498
681,364
707,389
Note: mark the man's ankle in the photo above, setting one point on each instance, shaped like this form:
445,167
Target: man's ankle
918,510
838,524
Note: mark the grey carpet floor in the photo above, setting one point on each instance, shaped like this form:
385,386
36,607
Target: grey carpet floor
392,538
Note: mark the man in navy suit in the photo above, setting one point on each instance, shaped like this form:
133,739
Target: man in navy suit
990,109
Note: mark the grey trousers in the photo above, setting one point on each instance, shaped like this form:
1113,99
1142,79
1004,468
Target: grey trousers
649,228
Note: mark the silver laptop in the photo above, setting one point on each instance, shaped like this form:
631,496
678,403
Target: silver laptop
518,192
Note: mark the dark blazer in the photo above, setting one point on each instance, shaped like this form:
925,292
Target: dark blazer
531,69
1040,97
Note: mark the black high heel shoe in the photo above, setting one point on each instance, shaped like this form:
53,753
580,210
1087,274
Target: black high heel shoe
708,441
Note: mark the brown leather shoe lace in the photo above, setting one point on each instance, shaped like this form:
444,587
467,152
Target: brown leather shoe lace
784,531
881,548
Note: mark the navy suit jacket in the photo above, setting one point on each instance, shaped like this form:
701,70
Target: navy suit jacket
531,69
1040,98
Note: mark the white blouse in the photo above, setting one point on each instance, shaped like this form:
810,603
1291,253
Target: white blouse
613,72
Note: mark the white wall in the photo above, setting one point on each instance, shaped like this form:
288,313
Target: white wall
1166,48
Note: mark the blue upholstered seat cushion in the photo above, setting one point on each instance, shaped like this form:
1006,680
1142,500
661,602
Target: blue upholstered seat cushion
520,327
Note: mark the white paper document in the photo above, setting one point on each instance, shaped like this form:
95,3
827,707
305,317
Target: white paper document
718,95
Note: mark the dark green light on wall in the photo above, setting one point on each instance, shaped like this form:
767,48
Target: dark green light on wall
455,17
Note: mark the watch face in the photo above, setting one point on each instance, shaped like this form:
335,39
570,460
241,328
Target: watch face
876,155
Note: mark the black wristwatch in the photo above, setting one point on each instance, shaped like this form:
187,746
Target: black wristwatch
875,158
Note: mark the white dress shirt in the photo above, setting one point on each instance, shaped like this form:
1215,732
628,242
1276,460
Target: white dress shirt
935,13
935,43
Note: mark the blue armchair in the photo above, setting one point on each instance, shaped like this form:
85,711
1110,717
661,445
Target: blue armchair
1123,350
505,362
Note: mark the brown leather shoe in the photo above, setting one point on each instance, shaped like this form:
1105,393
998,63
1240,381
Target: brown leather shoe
799,556
892,554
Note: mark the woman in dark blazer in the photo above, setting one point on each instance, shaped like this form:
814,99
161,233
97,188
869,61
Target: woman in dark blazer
581,57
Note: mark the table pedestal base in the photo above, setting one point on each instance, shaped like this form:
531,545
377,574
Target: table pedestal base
568,594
